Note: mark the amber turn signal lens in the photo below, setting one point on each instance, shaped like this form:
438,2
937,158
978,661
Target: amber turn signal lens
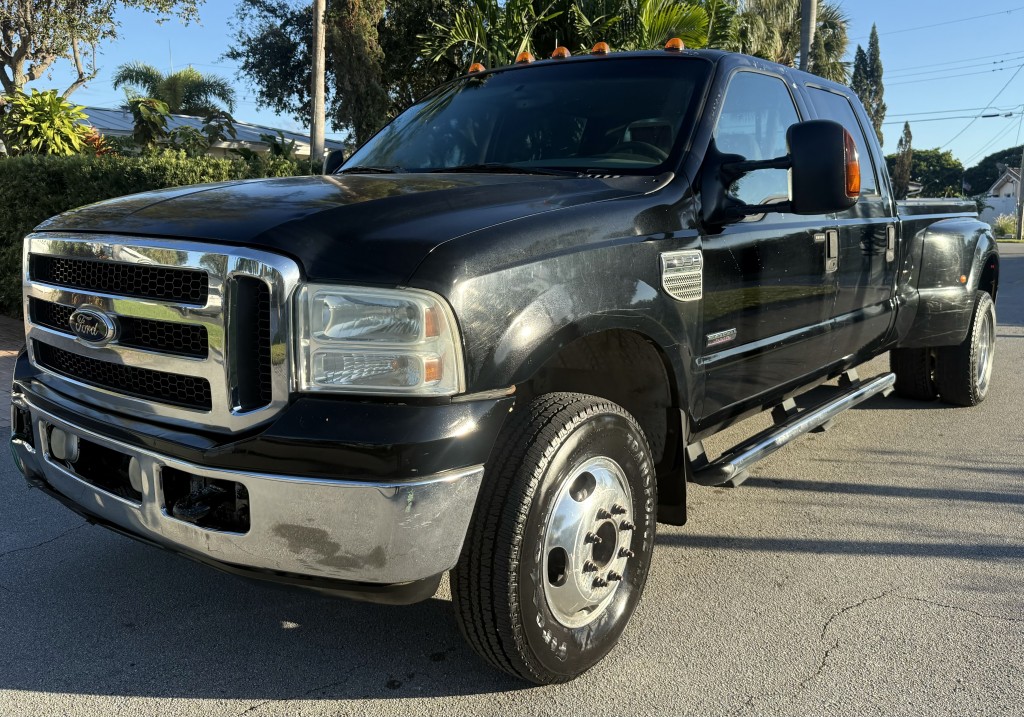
852,167
476,67
560,53
675,45
431,370
524,58
601,48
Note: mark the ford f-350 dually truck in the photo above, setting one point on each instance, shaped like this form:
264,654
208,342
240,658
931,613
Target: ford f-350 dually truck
492,341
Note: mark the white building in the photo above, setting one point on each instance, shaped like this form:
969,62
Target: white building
119,123
1002,196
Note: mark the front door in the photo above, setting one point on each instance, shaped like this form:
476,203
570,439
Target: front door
767,292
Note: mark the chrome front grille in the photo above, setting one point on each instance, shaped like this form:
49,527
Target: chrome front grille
203,331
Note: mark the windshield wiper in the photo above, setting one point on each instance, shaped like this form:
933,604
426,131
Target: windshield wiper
364,169
498,168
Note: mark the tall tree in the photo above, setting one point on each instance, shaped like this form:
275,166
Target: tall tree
867,81
903,164
34,34
186,91
374,68
771,29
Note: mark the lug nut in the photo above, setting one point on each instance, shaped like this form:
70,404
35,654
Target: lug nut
614,577
589,567
626,525
625,553
592,538
618,510
603,514
600,583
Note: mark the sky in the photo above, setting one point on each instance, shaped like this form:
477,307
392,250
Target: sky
945,65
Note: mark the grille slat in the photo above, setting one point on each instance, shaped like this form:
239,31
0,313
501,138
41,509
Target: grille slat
163,336
169,388
184,286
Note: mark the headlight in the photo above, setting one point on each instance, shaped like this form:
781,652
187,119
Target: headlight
378,341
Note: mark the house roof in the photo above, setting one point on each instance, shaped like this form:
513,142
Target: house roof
119,122
1011,174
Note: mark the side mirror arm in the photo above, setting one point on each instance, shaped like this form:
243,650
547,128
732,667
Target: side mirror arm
720,172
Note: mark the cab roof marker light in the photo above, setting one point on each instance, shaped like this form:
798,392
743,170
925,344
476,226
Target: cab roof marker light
561,53
601,48
476,67
675,45
524,58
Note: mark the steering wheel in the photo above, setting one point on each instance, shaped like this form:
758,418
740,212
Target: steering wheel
642,148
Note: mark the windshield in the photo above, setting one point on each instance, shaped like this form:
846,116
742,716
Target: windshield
617,116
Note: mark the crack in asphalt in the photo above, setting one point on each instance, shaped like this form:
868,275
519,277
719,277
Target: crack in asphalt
307,693
749,703
822,664
961,609
44,542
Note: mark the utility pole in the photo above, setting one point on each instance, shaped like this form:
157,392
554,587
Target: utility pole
1020,196
316,132
808,21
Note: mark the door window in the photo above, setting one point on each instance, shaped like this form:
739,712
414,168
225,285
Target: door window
757,111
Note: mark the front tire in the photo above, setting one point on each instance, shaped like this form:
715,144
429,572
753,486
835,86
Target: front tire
964,372
559,548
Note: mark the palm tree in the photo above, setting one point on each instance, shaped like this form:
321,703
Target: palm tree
186,91
771,29
640,24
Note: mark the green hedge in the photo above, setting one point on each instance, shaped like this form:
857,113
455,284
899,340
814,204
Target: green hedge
34,188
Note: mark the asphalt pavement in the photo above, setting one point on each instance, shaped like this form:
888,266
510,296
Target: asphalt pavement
875,569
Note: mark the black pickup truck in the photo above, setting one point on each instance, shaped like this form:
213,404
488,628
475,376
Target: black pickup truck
492,341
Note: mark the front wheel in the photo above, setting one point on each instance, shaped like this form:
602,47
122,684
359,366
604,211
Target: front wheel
558,551
964,372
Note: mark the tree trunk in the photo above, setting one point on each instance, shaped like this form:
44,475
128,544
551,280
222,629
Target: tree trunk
316,133
808,21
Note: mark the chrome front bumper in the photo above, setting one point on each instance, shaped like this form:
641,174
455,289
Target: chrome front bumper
376,533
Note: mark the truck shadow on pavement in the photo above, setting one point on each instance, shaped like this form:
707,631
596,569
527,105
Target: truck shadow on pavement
97,614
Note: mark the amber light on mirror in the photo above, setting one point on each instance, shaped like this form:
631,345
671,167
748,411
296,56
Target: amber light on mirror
852,166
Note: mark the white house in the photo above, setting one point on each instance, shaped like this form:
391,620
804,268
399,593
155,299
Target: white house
1002,196
118,122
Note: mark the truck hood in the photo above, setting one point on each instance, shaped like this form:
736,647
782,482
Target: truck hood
356,228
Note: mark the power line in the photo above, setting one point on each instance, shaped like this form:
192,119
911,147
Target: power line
947,22
950,62
962,67
943,119
950,77
961,109
992,141
991,102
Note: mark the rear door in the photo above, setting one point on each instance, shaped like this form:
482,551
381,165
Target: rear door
767,293
863,307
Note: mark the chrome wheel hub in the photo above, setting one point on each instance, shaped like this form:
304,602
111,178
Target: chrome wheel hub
986,344
587,540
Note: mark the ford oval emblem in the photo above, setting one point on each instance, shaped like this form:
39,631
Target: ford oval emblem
93,327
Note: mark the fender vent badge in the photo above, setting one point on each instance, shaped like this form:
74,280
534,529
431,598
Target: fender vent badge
682,274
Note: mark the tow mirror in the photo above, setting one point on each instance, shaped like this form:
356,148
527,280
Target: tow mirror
825,171
824,175
333,161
